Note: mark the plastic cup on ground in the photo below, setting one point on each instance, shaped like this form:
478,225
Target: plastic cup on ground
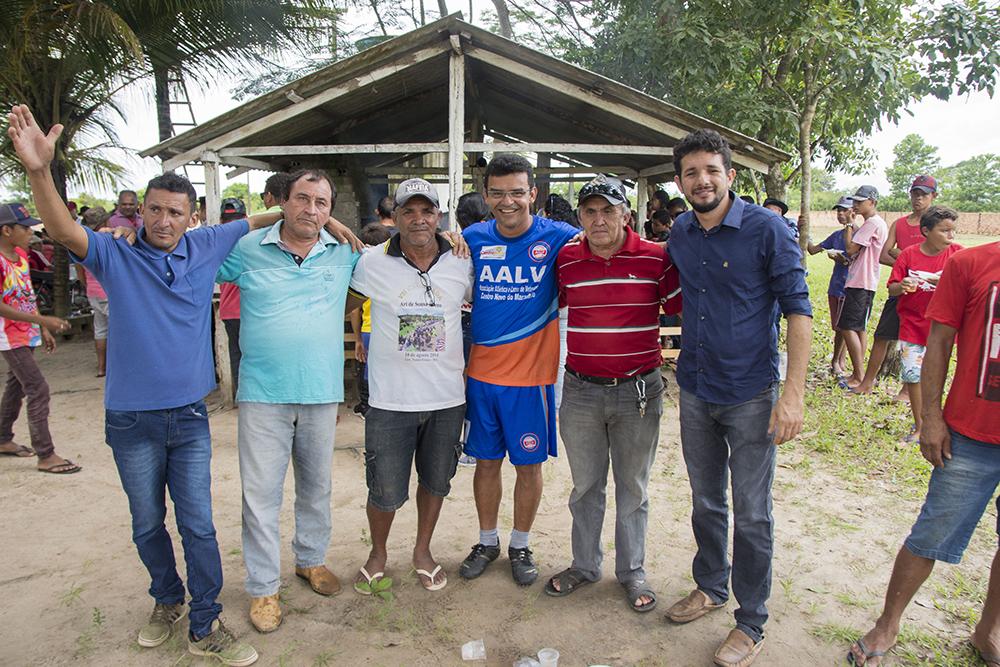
474,650
526,661
548,657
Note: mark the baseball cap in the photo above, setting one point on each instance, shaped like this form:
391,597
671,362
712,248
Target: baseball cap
776,202
416,187
844,202
14,213
865,192
605,186
924,183
233,205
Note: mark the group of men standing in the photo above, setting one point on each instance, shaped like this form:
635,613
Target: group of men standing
737,265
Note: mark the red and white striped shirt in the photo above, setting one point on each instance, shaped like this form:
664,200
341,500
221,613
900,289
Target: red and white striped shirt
614,306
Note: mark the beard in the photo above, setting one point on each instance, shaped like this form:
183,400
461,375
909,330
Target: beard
710,206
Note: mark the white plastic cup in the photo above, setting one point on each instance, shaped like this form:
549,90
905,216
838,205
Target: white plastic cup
474,650
526,661
548,657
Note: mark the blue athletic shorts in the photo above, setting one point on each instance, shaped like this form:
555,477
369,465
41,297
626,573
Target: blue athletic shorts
518,422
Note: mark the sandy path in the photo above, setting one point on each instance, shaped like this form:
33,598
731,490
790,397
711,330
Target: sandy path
75,592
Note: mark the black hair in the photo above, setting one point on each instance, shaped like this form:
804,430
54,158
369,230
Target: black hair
385,207
472,208
171,182
934,215
130,192
229,217
663,216
311,175
503,164
677,201
83,209
374,233
748,199
557,208
706,140
275,185
661,196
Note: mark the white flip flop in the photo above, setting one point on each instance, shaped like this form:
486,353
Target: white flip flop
431,575
370,578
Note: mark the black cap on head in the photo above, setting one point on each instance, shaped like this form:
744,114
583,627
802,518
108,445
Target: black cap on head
231,206
865,192
774,201
605,186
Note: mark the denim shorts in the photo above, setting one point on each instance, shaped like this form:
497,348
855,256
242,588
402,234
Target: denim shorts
394,440
956,499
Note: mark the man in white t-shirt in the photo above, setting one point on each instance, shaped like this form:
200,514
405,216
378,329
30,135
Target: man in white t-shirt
863,246
417,392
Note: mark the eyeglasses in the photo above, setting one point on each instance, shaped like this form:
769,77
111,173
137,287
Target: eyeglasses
500,195
425,279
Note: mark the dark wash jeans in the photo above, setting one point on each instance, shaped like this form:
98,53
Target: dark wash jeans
156,450
719,440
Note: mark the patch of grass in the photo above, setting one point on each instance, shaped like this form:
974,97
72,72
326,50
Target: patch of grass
790,594
86,642
380,589
834,633
919,647
852,599
365,537
72,596
326,659
285,657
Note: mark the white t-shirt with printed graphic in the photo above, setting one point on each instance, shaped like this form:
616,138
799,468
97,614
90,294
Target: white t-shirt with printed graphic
415,359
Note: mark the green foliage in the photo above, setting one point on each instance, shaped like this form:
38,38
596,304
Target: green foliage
380,588
913,157
973,184
87,199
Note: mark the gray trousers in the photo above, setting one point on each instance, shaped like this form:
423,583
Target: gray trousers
601,425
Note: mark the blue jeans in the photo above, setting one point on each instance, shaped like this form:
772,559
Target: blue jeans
159,449
271,435
719,440
957,496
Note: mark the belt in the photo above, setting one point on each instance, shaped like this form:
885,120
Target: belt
608,382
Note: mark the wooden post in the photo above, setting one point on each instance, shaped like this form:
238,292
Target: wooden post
641,197
456,128
213,191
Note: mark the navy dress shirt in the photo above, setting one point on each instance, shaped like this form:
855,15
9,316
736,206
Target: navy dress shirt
733,278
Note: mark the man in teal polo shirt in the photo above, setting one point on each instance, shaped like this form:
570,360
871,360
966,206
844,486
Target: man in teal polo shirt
293,282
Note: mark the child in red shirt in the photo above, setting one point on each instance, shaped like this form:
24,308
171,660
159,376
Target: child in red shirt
914,278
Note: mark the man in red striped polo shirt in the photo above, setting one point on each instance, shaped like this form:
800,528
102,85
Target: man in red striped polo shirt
614,284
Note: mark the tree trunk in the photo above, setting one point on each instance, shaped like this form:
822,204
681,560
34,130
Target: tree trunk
60,260
162,96
503,16
443,7
805,173
774,182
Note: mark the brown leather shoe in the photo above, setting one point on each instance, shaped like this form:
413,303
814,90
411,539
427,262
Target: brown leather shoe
320,579
265,613
738,650
695,605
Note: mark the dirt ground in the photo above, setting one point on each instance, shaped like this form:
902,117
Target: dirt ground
74,591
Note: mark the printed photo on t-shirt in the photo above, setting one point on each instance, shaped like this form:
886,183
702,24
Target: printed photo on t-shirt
422,334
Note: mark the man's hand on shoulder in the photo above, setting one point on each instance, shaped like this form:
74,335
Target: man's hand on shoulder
343,233
126,233
459,247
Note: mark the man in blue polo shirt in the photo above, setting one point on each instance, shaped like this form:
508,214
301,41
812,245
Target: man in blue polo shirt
293,282
738,262
159,370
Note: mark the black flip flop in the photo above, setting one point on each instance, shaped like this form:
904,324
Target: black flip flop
21,452
636,589
66,468
569,580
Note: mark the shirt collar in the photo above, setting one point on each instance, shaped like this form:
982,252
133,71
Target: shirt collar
273,235
143,246
394,249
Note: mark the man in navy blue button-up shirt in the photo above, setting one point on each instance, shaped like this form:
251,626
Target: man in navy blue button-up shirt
739,265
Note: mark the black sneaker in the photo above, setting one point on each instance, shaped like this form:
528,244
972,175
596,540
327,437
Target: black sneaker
477,560
522,566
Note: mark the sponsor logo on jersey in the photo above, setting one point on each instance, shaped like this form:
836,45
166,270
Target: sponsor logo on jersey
529,442
539,251
493,252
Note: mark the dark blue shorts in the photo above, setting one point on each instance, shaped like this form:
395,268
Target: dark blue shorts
517,422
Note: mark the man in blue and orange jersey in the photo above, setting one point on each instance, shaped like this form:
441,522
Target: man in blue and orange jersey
514,359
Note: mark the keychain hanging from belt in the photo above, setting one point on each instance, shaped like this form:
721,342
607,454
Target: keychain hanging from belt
640,388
